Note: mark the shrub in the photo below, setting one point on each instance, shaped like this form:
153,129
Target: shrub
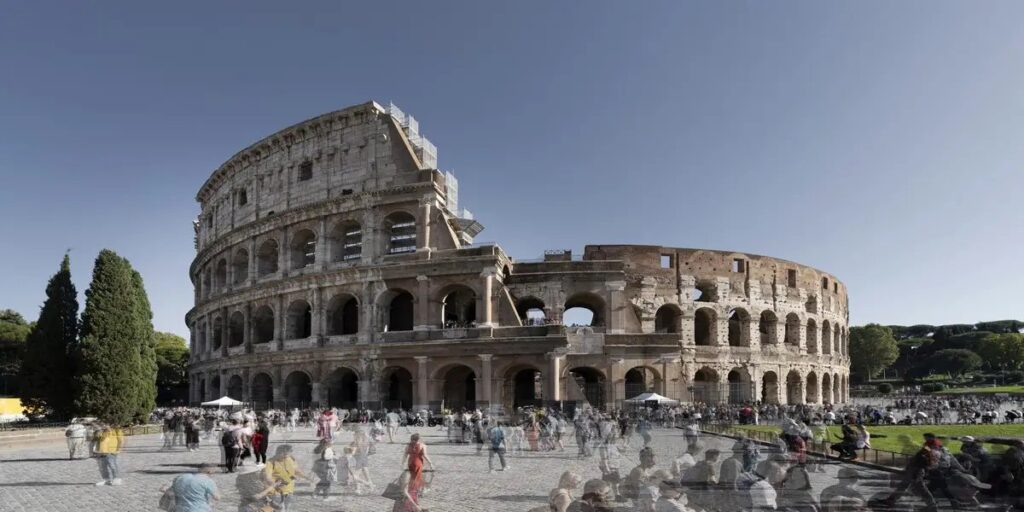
933,387
1014,376
885,388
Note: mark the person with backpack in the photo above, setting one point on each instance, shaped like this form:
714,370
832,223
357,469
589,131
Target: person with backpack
497,438
325,466
231,441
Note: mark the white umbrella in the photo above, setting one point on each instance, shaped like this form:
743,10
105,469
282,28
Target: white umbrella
224,401
651,397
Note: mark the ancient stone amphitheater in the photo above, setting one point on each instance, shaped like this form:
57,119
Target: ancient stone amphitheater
334,267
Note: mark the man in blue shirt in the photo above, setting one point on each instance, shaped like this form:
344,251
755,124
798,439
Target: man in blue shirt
497,438
194,492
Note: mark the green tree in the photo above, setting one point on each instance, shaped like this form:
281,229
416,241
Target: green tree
116,362
172,357
13,333
954,361
1002,351
47,372
872,348
944,332
1001,326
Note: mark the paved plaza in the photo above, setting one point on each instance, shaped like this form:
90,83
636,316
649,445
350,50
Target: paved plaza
41,479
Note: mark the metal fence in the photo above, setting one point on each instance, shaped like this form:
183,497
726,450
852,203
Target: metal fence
816,447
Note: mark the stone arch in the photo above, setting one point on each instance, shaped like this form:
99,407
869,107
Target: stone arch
343,315
812,333
586,384
236,329
298,389
267,258
346,241
668,319
794,388
235,387
400,233
398,308
218,332
458,386
792,329
705,327
813,393
767,327
525,386
770,387
303,249
531,311
263,324
705,386
220,275
262,390
641,379
458,306
826,388
739,328
741,388
585,301
341,388
240,267
300,320
397,388
705,290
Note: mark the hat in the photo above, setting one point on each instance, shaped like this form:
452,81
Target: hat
967,439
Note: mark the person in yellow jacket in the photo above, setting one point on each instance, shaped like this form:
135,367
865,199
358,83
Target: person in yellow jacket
280,472
108,444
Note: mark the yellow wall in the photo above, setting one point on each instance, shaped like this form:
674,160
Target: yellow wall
10,406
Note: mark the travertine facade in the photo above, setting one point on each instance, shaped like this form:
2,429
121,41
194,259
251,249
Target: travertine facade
334,267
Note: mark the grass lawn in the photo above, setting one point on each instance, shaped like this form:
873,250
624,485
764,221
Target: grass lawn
989,390
886,437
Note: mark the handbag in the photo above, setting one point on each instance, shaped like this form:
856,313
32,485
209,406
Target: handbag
394,490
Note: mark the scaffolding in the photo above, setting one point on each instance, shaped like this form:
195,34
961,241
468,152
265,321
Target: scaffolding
425,151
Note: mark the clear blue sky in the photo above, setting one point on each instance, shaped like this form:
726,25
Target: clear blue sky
879,141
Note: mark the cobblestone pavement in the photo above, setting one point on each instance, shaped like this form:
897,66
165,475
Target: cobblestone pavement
41,479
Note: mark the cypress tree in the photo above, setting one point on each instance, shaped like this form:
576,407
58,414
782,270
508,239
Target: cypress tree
147,352
115,328
48,368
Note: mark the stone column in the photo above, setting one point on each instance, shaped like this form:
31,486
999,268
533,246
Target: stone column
615,385
223,383
367,314
315,395
422,312
283,253
247,327
423,233
754,330
316,315
252,262
485,376
246,386
616,307
488,298
422,398
224,333
554,391
278,388
321,245
280,327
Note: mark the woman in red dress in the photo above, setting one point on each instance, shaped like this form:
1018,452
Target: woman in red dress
415,455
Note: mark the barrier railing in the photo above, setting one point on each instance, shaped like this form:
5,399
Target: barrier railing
814,446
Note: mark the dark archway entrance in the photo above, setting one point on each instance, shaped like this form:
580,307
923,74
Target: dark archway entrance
342,389
459,389
298,390
588,386
397,388
262,391
235,387
527,388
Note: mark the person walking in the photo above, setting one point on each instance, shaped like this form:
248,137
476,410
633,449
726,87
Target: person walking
415,456
260,442
195,492
280,472
109,441
498,446
409,500
325,466
75,434
231,441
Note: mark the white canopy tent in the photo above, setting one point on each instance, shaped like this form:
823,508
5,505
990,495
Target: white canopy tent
651,397
224,401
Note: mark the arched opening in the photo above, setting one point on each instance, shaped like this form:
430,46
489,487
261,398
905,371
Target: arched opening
705,291
794,388
262,391
342,388
531,311
236,329
398,388
300,320
458,308
837,396
584,309
739,328
343,311
768,328
705,386
527,388
218,332
826,389
837,339
792,329
346,241
639,380
704,327
400,311
812,334
459,388
813,395
400,229
215,387
586,384
220,275
263,324
298,390
739,386
266,258
770,388
667,319
240,266
235,387
303,249
826,338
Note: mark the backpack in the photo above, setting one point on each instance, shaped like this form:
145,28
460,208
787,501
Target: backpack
227,440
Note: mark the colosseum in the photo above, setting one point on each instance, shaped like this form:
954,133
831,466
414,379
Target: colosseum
335,267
